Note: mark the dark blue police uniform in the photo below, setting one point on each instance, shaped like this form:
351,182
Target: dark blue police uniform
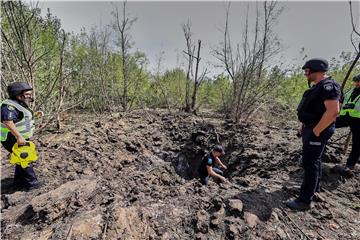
208,160
310,111
23,177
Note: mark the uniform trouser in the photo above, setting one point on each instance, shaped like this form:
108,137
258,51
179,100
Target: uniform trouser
313,148
23,177
205,179
355,132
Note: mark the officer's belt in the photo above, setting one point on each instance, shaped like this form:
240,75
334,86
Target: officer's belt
309,125
312,125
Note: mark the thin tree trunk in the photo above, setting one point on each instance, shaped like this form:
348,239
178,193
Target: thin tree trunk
197,81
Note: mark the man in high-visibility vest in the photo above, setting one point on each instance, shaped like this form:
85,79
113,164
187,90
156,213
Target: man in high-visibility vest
350,117
17,126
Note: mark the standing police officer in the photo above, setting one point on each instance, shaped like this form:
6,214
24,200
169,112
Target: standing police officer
350,117
317,111
17,125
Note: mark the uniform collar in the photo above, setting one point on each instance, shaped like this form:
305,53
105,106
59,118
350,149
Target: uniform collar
20,103
356,90
326,78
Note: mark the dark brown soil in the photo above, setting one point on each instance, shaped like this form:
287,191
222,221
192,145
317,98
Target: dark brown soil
133,176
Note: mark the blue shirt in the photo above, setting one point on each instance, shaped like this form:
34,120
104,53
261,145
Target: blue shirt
10,113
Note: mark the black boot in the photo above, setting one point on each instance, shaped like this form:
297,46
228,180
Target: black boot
298,205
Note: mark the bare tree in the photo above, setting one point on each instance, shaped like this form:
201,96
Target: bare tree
355,37
355,33
137,66
97,83
159,84
245,62
192,75
20,40
33,51
123,25
190,53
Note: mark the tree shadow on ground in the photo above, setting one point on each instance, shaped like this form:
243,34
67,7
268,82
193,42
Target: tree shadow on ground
261,201
331,177
7,186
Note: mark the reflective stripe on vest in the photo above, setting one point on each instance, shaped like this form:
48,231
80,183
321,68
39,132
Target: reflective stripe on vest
355,110
25,126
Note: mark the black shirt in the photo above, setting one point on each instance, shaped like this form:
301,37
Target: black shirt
355,93
312,107
207,160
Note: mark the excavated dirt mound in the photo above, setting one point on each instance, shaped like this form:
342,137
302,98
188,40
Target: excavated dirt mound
133,176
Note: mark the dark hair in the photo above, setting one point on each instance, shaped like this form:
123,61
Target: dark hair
219,148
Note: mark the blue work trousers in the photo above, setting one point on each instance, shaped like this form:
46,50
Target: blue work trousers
23,177
205,179
313,148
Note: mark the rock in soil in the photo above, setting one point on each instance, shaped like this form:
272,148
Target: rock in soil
134,176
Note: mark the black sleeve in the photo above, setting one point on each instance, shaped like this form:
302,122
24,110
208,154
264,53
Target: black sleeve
8,113
330,91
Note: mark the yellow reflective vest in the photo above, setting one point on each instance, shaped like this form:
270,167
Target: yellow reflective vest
25,126
352,108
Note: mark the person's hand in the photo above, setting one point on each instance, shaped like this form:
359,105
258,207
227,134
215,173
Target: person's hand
316,132
224,167
222,179
39,114
300,131
21,141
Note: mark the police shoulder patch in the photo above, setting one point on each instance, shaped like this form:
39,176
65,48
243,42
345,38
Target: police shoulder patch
328,86
11,108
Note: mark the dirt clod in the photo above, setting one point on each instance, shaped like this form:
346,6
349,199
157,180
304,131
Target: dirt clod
134,176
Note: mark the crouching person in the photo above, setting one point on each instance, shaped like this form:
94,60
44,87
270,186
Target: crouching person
208,166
